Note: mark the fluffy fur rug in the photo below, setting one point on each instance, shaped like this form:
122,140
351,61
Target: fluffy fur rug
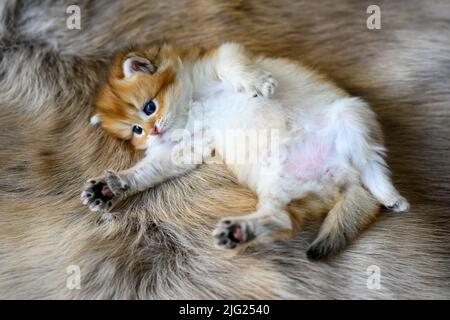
159,244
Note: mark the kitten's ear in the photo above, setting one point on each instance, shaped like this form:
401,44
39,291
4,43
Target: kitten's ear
95,120
133,65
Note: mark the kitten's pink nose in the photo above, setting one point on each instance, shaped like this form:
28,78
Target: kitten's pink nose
154,131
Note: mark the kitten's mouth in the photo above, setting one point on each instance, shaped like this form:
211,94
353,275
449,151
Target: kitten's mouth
155,131
158,132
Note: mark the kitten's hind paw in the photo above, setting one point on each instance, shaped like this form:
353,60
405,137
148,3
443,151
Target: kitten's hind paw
231,233
263,85
321,249
315,253
398,205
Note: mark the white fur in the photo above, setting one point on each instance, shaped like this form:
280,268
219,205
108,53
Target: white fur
95,119
325,137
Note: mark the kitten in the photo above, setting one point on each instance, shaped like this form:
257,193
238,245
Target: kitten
325,143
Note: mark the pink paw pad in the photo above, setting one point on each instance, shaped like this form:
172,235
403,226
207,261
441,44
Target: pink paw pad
107,192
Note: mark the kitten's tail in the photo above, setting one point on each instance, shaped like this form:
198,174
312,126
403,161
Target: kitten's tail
352,213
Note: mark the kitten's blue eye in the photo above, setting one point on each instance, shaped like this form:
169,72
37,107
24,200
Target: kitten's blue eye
137,129
150,107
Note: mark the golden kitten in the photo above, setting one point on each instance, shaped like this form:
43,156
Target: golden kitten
295,134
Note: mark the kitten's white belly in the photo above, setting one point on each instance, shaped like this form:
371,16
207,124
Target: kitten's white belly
303,158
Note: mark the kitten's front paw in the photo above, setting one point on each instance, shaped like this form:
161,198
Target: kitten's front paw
263,85
115,183
231,233
102,193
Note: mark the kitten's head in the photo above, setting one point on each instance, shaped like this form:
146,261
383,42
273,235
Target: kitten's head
142,94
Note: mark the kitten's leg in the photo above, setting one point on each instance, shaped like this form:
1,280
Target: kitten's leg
104,192
375,177
352,213
270,222
231,63
359,137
